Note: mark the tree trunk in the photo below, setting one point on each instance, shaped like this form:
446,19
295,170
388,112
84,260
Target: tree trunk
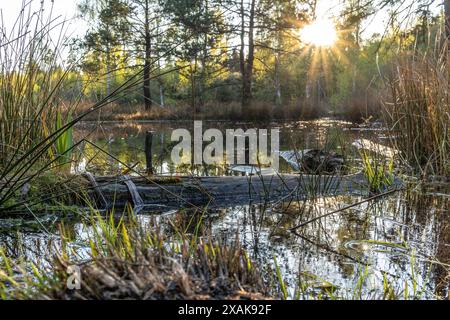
357,42
108,71
147,59
203,61
160,81
242,51
278,101
248,79
192,74
161,95
238,190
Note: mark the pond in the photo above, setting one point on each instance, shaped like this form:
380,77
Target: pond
125,141
398,241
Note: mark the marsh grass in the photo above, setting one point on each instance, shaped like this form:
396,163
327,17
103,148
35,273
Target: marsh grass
379,172
418,113
34,137
30,79
129,260
281,284
64,144
259,111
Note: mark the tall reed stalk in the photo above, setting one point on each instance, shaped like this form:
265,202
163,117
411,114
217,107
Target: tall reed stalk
32,77
419,112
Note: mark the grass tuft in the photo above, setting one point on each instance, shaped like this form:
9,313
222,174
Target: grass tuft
418,114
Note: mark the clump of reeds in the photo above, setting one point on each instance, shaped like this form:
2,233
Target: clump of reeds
35,125
362,106
418,114
379,172
30,78
130,261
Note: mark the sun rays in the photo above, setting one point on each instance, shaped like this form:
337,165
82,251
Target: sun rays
322,43
320,33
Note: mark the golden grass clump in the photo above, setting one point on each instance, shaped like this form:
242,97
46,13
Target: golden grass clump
419,113
130,261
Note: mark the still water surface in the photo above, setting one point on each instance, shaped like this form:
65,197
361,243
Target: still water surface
403,238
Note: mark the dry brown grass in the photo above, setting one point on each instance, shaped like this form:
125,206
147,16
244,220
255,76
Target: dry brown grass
361,108
418,113
128,261
258,111
118,112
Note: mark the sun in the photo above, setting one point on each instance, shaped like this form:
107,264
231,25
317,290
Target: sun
320,33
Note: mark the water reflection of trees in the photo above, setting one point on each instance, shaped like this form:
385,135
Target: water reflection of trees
389,235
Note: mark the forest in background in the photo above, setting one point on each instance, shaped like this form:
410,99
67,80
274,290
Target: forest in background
240,59
236,60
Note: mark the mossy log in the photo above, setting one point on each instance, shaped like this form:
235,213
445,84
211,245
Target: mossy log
151,192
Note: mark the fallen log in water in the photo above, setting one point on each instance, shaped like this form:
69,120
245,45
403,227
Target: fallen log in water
163,192
155,192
